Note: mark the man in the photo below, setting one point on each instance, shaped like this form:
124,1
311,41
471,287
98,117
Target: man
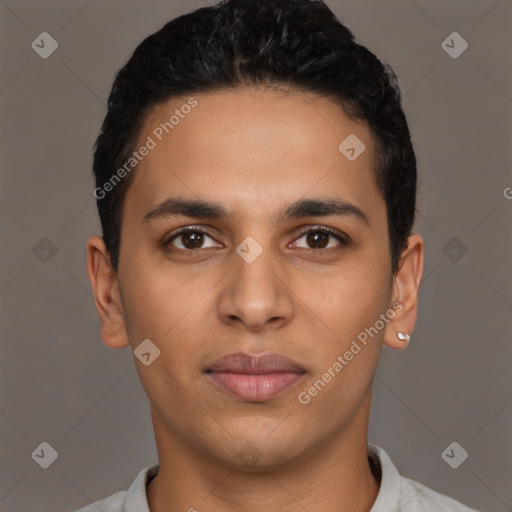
256,185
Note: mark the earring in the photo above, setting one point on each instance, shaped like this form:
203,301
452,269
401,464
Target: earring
403,336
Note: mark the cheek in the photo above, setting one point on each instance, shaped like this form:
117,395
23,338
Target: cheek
167,308
163,312
350,300
152,303
349,345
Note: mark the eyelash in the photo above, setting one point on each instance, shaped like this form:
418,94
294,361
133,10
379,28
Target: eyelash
343,239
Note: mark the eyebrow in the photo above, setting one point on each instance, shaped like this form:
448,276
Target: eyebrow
200,209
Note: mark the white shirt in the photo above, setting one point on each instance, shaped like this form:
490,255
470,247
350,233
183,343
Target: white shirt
396,492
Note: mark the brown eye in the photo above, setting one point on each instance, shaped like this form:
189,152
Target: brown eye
319,238
192,240
188,239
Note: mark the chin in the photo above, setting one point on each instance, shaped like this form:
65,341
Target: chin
258,453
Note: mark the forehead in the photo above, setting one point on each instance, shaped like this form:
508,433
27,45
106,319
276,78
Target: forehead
253,150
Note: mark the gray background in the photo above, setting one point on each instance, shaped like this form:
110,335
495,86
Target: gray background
61,385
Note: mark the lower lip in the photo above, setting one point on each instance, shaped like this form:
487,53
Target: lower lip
256,388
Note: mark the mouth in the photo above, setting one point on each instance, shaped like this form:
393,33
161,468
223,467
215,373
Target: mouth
255,378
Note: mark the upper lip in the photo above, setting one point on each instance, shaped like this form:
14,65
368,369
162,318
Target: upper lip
251,364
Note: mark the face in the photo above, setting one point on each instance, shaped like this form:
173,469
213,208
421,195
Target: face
252,276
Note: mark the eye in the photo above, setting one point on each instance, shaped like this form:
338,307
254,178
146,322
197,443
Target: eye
319,236
190,238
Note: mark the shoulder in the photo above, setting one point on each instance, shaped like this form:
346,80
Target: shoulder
418,498
114,503
133,499
401,493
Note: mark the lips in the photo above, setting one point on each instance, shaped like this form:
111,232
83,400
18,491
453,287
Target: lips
255,378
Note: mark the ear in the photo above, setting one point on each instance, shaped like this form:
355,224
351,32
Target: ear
406,282
106,294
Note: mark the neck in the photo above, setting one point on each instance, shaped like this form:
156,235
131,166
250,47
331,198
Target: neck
333,477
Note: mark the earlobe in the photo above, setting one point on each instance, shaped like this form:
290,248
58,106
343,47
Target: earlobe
106,294
406,283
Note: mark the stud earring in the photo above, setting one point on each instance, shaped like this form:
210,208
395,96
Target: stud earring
403,336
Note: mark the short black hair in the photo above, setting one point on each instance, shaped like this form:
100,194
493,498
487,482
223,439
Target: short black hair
298,44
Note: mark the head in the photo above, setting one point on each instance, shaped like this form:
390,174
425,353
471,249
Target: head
296,45
243,109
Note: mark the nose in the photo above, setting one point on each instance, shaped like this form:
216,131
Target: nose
257,295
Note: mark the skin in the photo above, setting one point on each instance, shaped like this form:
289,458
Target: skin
255,152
